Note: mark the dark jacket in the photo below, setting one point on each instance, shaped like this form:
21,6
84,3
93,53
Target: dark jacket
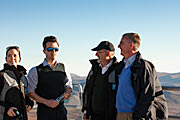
150,100
12,90
110,110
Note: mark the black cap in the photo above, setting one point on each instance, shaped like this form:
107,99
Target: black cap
104,45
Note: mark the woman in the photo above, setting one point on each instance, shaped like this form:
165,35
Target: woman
13,84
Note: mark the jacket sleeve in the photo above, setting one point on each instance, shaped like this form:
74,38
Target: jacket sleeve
29,101
85,96
146,92
1,82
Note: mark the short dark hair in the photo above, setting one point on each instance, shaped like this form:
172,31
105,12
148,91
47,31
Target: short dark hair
49,39
13,47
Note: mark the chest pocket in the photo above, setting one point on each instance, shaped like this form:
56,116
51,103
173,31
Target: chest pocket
112,79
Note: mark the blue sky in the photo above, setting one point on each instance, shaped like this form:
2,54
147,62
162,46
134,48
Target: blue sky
80,25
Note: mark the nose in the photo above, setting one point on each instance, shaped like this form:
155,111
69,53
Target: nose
119,45
11,57
53,51
96,54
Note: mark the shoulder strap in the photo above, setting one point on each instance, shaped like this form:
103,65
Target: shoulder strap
39,66
62,68
38,69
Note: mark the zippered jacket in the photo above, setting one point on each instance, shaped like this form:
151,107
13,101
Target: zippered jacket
150,100
109,88
13,84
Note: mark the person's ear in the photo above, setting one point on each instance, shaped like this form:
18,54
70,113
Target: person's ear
44,51
132,45
19,59
108,53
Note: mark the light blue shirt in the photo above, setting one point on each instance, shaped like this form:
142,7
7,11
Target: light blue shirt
129,61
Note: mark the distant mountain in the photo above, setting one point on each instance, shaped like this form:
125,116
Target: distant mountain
169,79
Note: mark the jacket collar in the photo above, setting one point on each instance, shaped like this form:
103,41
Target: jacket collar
19,68
136,63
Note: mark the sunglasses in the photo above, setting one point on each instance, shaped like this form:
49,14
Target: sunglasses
49,49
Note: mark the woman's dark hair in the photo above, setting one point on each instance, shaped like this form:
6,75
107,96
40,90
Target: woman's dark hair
13,47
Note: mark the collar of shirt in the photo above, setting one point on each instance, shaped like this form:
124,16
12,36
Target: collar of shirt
45,63
105,68
129,61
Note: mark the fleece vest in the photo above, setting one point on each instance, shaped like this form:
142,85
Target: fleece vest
98,97
51,81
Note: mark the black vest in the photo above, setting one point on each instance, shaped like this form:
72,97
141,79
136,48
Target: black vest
51,81
98,97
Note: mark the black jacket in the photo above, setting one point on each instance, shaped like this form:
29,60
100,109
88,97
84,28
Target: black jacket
110,110
14,96
150,100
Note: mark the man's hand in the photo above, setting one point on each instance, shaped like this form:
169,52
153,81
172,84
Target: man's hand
28,108
84,117
11,112
67,94
51,103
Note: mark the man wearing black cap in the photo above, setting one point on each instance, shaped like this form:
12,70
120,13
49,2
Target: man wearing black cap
99,93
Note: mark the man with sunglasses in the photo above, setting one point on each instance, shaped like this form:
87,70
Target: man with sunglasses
48,81
99,93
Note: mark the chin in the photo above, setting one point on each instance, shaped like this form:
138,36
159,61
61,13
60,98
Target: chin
13,65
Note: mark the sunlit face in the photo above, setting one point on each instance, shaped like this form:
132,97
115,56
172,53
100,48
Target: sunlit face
13,57
51,55
101,54
125,46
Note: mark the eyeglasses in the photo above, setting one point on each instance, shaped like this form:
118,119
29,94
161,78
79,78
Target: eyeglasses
49,49
101,52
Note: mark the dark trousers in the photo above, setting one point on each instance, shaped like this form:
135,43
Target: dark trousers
95,116
52,114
